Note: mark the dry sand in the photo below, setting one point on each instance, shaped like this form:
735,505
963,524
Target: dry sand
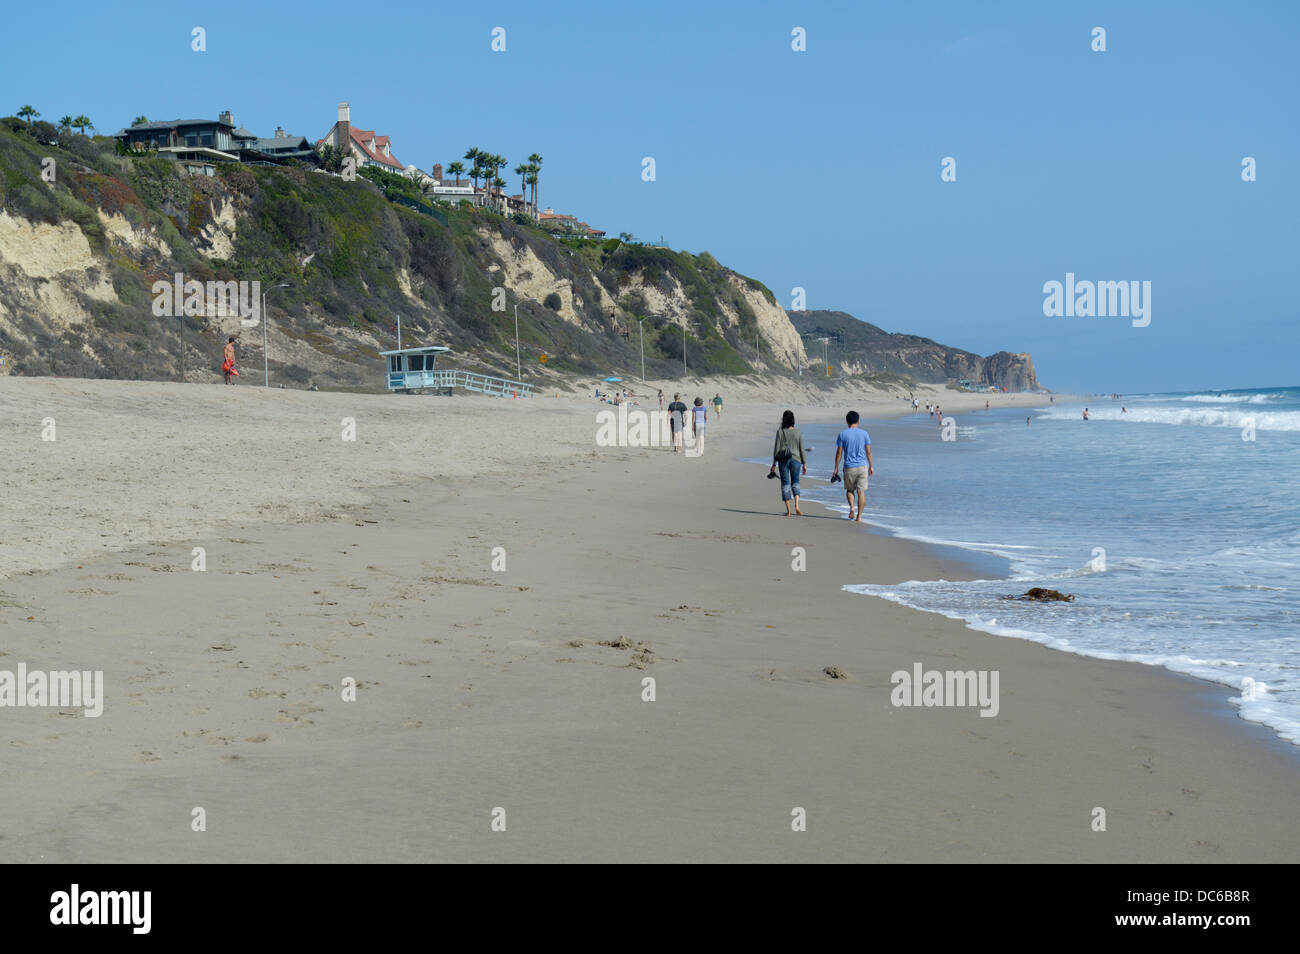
477,690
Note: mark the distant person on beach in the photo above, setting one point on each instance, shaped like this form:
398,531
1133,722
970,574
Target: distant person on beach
986,405
1026,422
915,404
677,421
1123,410
661,399
788,458
699,423
228,360
854,445
1085,413
717,404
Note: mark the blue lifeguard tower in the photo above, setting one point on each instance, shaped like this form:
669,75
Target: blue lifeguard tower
412,370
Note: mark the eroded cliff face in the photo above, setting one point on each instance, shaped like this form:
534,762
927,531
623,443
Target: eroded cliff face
607,292
48,279
774,325
1015,372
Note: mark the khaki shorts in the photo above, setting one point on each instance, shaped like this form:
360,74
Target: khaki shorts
855,479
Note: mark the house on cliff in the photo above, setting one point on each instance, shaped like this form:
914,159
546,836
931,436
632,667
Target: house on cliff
367,148
199,144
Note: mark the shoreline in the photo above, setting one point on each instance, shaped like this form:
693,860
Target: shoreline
480,689
953,562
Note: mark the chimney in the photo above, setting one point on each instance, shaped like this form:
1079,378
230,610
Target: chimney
226,117
344,136
437,172
280,133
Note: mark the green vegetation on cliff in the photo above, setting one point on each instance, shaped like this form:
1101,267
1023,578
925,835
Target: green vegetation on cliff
355,255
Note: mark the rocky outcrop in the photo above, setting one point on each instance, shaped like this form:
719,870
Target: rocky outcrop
861,348
1015,372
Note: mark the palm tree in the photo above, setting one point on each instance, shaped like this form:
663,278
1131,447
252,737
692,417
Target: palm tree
456,168
28,113
532,181
499,163
522,171
139,120
500,184
475,157
82,122
536,161
65,124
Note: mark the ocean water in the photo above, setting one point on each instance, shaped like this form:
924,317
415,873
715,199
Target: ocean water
1179,537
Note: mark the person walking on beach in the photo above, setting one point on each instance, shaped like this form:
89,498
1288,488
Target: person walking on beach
789,459
699,423
228,360
717,404
854,445
661,399
677,421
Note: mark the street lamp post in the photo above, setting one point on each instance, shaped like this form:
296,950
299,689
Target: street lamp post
266,361
518,364
641,327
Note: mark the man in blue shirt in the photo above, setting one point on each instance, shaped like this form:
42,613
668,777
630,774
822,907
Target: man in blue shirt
854,445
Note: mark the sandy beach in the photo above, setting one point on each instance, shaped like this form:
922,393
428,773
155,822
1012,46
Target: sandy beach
498,588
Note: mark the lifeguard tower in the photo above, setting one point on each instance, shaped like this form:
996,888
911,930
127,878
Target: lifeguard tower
413,370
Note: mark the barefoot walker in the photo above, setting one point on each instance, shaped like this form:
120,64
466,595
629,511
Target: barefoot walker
788,458
854,445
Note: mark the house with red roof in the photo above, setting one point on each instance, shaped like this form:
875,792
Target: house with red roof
570,224
362,144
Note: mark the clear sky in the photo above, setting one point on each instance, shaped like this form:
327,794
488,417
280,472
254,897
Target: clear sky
817,169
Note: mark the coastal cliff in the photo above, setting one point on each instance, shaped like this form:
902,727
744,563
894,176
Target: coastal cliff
864,349
83,256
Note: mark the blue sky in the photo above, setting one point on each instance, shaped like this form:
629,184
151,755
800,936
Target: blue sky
816,169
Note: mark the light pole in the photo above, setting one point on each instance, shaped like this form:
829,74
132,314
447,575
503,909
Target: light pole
518,366
683,347
641,328
266,363
825,354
